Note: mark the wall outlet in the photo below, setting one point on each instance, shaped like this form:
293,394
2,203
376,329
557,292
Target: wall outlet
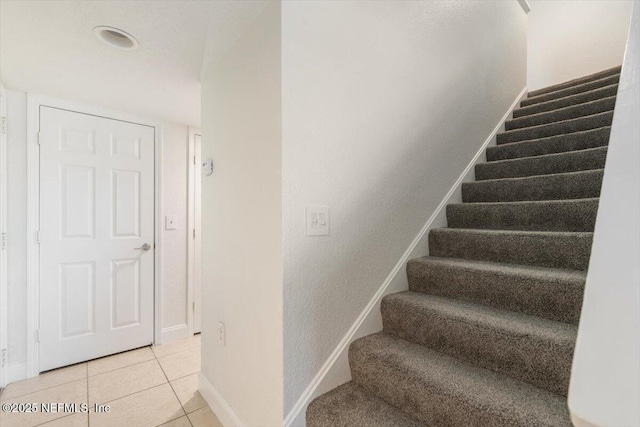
222,333
317,219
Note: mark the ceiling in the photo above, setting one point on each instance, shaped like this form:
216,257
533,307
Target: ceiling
48,47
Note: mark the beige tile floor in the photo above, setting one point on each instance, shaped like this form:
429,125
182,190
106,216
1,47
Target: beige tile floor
147,387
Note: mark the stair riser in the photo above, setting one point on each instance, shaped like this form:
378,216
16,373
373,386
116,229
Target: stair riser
594,95
545,216
544,131
575,82
574,90
567,250
533,359
576,185
557,144
547,296
567,113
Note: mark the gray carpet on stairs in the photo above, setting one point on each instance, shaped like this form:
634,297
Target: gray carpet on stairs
573,90
558,186
529,348
593,121
545,164
575,82
551,293
485,334
592,95
555,144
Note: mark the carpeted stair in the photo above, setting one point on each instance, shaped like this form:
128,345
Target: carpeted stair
485,335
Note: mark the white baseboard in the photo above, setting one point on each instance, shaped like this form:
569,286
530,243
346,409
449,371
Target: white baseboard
16,373
335,370
173,333
218,405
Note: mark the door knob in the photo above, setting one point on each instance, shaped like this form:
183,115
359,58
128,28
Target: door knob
144,247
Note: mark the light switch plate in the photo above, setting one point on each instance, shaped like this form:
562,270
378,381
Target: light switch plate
317,221
170,222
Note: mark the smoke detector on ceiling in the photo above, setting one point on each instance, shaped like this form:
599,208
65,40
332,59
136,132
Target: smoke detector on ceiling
116,38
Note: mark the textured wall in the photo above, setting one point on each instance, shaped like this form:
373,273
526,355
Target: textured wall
175,159
384,105
17,231
241,224
570,39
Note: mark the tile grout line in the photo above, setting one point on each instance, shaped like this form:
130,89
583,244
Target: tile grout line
154,386
87,374
87,377
43,389
175,394
117,369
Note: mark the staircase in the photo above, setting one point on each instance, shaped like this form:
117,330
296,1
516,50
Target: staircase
485,334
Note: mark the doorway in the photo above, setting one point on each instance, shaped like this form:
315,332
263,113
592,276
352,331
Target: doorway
96,236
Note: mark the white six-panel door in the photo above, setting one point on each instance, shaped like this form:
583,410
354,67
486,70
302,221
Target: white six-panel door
96,216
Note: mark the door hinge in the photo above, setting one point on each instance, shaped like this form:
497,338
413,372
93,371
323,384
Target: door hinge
194,233
4,124
38,138
4,357
4,241
194,160
38,237
193,306
38,335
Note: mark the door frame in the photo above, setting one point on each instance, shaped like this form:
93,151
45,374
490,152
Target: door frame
34,102
193,253
4,344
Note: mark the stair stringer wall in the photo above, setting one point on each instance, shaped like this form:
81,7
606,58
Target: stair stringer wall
335,370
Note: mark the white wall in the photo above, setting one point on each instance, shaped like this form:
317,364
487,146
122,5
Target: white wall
241,225
570,39
175,149
17,231
175,174
605,377
384,105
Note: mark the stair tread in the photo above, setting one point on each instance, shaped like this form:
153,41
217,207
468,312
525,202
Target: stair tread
527,202
532,177
545,157
562,114
564,143
557,249
567,101
480,316
553,186
553,293
512,232
576,81
414,369
500,268
351,405
545,164
580,88
540,215
529,348
562,127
